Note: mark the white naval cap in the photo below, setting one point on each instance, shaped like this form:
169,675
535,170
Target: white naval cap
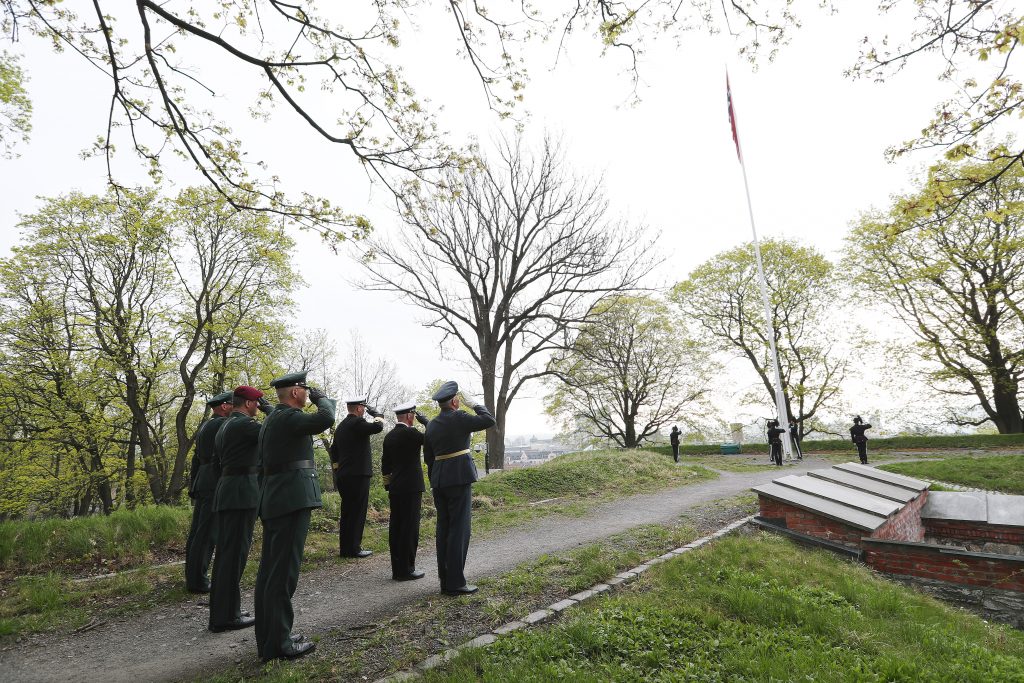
356,400
408,407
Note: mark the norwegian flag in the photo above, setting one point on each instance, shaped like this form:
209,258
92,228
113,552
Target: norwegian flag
732,118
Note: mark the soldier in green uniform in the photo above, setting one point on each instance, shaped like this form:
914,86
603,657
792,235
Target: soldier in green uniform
235,505
452,472
402,470
288,492
202,534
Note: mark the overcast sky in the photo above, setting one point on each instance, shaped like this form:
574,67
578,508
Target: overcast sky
813,142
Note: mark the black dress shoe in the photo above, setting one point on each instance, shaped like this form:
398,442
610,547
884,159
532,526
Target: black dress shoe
411,576
297,637
468,589
243,622
359,554
299,650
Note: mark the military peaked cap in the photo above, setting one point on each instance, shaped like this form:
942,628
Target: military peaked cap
447,391
248,393
292,379
405,408
222,397
359,400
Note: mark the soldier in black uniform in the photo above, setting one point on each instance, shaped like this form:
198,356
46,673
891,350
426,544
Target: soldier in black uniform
235,505
452,472
288,492
775,433
860,438
402,471
794,434
353,467
673,438
202,533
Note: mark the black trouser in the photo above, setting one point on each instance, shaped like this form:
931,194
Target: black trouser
799,453
454,508
284,539
675,452
234,538
862,451
404,531
202,535
355,496
777,453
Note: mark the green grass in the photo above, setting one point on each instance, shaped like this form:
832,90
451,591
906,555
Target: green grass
754,609
993,473
122,538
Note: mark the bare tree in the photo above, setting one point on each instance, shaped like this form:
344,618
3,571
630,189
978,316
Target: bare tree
506,264
628,373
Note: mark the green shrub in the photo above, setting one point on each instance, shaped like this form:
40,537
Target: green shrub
892,443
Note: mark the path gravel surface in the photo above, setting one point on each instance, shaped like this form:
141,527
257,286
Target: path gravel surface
171,643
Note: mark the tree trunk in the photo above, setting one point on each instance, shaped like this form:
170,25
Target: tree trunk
495,435
629,433
1006,415
147,449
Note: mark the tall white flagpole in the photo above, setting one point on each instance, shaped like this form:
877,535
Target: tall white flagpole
780,400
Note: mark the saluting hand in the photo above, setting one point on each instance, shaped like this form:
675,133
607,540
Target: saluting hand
315,395
264,405
421,418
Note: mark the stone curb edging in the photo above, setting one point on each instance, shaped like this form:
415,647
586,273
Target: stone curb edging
550,611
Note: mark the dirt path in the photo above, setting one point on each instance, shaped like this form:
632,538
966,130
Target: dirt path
171,642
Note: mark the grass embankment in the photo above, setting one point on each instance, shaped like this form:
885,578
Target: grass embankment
1003,473
754,609
55,550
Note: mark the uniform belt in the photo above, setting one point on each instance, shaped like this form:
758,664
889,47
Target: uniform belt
288,466
449,456
232,470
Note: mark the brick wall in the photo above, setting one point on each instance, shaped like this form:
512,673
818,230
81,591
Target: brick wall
810,523
974,532
945,564
905,525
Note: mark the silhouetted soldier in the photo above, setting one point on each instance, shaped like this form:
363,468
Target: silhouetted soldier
860,438
775,433
795,436
673,438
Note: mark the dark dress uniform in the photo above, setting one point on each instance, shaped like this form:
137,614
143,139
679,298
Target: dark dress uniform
288,492
452,473
860,439
350,452
402,470
235,505
202,533
796,440
775,433
673,438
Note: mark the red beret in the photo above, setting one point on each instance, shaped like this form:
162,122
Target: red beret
248,393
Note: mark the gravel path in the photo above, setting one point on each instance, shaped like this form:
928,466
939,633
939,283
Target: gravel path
171,642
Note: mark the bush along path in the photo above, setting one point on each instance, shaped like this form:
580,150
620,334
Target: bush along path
171,642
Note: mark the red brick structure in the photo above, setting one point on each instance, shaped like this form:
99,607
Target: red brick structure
973,532
940,563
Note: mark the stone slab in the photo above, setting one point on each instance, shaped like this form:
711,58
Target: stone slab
666,556
614,581
966,506
881,475
561,605
1003,509
537,617
509,627
641,569
600,587
583,595
839,493
859,519
862,483
480,641
626,575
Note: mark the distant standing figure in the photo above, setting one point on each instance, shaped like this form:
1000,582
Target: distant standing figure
775,433
794,435
860,438
673,438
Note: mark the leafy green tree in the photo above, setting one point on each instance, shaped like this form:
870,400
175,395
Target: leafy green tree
977,45
15,106
722,298
324,68
952,271
628,373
